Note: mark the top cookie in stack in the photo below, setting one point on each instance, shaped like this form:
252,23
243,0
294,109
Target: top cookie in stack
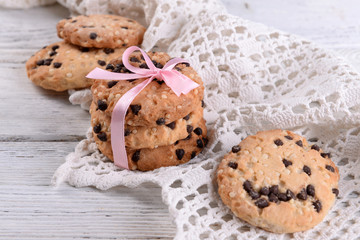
161,129
89,42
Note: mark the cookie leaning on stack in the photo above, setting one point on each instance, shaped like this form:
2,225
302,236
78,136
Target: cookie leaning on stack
277,181
89,42
161,129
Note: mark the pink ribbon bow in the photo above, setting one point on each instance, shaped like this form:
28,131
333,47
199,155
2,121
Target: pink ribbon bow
178,83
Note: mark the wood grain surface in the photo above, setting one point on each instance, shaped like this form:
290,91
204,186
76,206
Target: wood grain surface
38,128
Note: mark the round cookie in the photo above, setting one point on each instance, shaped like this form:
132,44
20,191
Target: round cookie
61,66
277,181
149,159
157,103
146,137
101,31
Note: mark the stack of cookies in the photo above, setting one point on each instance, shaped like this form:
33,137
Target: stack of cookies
89,42
161,129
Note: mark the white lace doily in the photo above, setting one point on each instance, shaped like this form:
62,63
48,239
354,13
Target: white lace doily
256,78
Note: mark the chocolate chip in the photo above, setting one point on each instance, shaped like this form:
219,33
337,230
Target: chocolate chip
102,105
335,191
44,46
330,168
233,165
247,186
290,195
159,82
134,59
160,121
199,143
274,189
176,143
189,128
135,108
187,64
117,70
302,195
310,190
40,62
108,50
47,62
299,143
110,66
178,69
202,103
57,64
278,142
124,44
73,21
101,62
315,147
52,53
157,64
127,132
317,205
102,136
236,149
188,137
97,128
187,117
124,27
273,198
93,35
289,137
193,154
205,141
286,162
325,155
264,191
262,203
111,83
180,153
282,197
143,65
171,125
198,131
307,170
55,47
136,156
84,49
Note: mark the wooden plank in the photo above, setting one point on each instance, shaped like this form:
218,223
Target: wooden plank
30,208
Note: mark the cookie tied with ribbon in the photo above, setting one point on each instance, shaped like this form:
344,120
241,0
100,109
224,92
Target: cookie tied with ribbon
147,94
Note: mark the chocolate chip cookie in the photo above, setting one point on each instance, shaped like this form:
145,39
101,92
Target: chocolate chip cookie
146,137
101,31
61,66
149,159
157,104
277,181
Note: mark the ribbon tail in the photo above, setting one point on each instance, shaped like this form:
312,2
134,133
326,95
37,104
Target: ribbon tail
118,122
178,82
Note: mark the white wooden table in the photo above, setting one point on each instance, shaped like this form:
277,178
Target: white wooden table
39,128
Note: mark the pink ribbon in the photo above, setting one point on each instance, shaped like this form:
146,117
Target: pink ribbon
178,83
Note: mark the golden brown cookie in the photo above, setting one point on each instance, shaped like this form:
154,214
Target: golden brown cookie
149,159
61,66
277,181
157,104
146,137
101,31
